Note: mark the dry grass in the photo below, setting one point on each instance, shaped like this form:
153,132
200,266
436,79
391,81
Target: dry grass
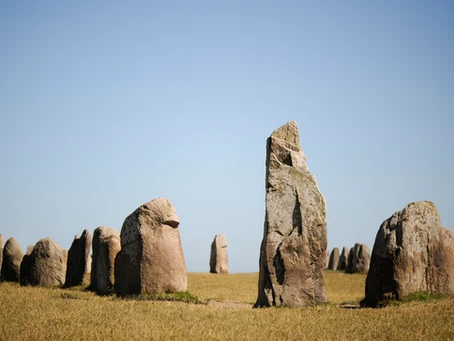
72,314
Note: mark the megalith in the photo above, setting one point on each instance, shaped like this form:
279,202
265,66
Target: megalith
333,259
48,263
1,250
106,245
151,258
77,259
412,253
219,262
358,259
26,266
12,257
343,259
292,253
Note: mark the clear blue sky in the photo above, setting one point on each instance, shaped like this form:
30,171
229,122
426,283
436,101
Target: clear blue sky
107,105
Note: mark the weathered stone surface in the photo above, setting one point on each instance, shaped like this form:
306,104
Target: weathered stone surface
219,262
358,259
48,263
412,253
343,259
106,245
292,254
327,258
1,250
12,257
26,266
333,259
77,259
151,258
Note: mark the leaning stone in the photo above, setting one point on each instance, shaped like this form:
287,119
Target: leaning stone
292,254
343,259
358,259
106,245
151,258
219,262
48,263
333,259
412,253
12,257
77,259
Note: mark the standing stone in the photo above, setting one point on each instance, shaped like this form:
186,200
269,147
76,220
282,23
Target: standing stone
412,253
219,262
89,262
151,258
358,259
343,259
12,257
106,245
327,258
77,259
333,259
1,250
292,254
48,263
26,266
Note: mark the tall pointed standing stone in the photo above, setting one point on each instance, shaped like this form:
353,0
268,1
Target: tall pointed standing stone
292,254
77,259
219,262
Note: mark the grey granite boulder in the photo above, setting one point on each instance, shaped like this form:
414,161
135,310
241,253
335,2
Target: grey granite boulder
106,245
412,253
48,263
12,257
333,259
358,259
151,259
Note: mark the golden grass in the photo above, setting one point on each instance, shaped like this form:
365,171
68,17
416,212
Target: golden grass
28,313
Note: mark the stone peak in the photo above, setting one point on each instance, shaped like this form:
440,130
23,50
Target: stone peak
288,132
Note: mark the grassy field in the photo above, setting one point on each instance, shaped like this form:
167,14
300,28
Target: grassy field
224,312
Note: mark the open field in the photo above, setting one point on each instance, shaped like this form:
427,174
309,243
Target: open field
28,313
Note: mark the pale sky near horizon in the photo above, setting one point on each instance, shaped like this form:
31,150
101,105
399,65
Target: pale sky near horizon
106,105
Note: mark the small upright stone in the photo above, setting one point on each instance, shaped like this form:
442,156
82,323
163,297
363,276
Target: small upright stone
292,254
343,259
106,245
48,263
77,259
358,259
151,258
412,253
333,259
26,266
12,257
219,262
327,258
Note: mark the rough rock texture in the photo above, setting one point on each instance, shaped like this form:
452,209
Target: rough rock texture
219,262
25,267
358,259
1,250
77,259
412,253
151,258
292,254
343,259
12,257
106,245
48,263
333,259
